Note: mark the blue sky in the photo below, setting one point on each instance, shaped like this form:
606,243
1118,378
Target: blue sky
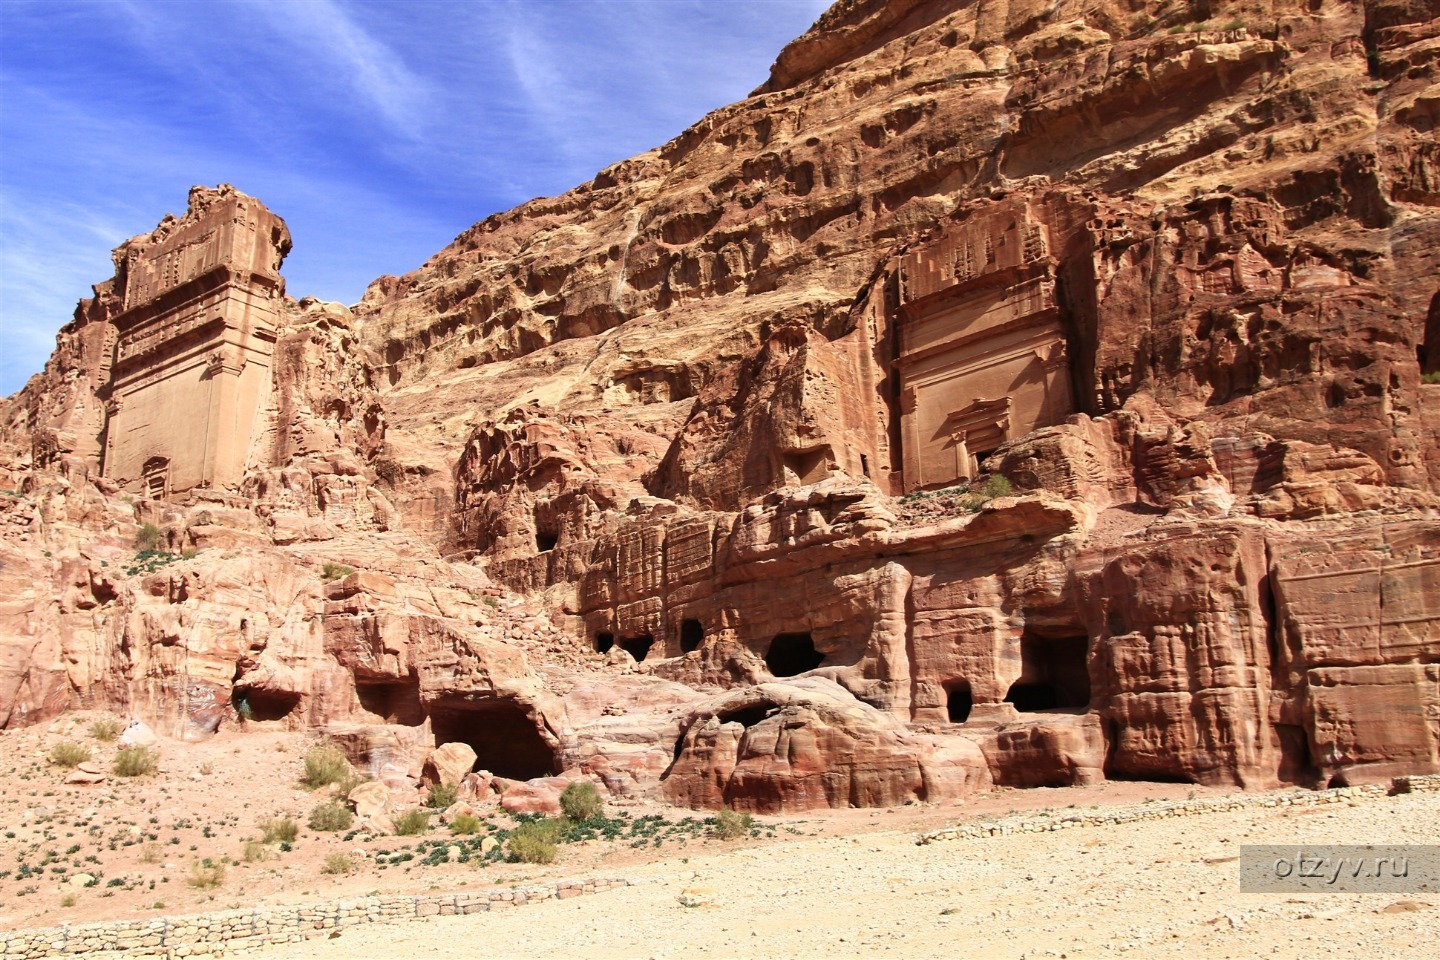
379,131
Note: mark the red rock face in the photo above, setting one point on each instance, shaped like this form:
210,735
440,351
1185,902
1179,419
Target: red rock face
1018,394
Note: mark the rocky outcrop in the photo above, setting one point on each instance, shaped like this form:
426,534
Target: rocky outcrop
1008,394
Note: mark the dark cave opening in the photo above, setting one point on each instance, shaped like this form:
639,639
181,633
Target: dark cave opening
1032,697
748,716
545,542
505,739
637,647
604,640
397,701
1054,674
958,701
791,654
262,705
692,634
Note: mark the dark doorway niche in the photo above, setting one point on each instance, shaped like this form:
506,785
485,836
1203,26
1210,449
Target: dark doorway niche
792,653
604,641
505,739
637,647
748,716
1429,348
807,466
398,701
256,704
545,540
692,634
1054,674
1032,697
1297,765
958,701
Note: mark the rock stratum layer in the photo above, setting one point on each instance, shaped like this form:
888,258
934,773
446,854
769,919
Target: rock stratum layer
1005,393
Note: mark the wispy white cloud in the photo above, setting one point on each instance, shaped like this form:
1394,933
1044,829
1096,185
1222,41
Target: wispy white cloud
325,31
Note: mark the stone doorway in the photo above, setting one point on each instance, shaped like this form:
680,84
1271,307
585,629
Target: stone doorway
792,653
505,738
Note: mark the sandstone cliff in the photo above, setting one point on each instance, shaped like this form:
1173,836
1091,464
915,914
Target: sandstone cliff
1004,393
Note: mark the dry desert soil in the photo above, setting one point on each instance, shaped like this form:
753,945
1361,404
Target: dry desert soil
833,884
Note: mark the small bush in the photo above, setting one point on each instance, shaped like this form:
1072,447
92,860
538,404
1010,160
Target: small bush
132,761
442,795
69,754
412,822
279,830
325,763
338,863
106,729
206,874
149,538
581,802
730,825
151,853
535,842
334,571
465,823
331,816
1431,377
68,900
256,851
997,486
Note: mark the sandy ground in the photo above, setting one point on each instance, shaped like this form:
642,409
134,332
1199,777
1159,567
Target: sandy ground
140,837
1158,889
835,883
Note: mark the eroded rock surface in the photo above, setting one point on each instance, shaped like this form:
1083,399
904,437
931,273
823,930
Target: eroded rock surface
1004,394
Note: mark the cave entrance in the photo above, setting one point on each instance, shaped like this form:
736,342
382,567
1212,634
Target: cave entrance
545,542
748,716
638,647
253,703
1054,674
1032,697
958,701
692,634
505,739
792,653
397,701
604,640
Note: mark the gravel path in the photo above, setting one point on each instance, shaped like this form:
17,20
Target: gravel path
1165,888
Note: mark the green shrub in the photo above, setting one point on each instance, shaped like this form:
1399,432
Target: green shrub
581,802
149,538
412,822
68,754
279,830
206,874
465,823
325,763
1431,377
997,486
442,795
730,825
106,729
334,571
132,761
535,842
338,863
331,816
